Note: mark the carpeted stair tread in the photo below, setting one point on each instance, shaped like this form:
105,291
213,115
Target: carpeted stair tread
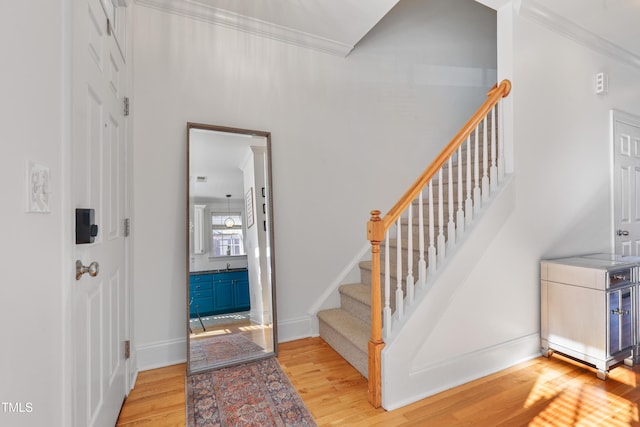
355,330
358,292
348,335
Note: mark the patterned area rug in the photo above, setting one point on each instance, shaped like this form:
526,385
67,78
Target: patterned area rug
220,349
256,394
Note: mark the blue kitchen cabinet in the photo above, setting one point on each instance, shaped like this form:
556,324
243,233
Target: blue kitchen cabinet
241,290
200,292
223,301
218,292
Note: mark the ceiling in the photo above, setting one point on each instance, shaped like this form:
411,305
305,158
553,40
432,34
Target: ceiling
336,26
219,158
332,26
344,21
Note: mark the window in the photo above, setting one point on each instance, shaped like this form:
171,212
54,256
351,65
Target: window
226,241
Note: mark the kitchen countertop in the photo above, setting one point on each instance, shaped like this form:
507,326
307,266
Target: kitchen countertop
221,270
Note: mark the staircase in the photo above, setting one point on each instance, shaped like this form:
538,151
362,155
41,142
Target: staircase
427,222
348,327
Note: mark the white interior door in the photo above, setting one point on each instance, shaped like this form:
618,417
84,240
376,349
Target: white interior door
626,183
100,320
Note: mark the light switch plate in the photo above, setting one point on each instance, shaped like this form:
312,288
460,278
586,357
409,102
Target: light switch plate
38,187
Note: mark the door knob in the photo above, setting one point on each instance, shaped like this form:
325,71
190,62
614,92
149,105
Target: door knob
622,232
92,269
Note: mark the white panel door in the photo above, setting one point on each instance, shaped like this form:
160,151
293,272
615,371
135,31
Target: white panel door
626,184
100,319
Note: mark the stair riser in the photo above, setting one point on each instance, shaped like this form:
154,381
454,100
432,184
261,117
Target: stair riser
356,308
436,206
352,354
366,279
415,257
415,230
445,194
454,178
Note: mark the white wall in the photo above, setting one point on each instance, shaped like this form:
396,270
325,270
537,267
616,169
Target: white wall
33,263
348,135
562,154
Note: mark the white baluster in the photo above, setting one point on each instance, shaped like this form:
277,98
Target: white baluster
500,136
468,204
477,194
387,288
451,226
399,293
441,240
410,280
460,212
432,249
422,263
485,162
493,170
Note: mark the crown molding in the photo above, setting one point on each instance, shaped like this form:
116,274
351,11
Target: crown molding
561,25
203,12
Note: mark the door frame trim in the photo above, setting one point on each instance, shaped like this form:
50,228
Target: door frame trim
616,115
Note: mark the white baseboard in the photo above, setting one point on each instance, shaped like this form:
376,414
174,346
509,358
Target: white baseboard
161,353
170,352
294,329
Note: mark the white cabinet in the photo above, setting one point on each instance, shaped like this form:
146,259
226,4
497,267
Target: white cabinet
588,309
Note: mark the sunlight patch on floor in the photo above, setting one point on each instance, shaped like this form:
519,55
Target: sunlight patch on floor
254,327
577,404
211,333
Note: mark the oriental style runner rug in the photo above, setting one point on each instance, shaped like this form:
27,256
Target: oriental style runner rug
256,394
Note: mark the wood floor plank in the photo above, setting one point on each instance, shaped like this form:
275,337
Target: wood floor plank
536,393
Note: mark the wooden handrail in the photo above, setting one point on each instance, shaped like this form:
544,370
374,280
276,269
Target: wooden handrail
377,227
494,96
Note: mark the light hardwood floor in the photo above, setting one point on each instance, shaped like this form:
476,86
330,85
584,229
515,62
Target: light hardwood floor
539,392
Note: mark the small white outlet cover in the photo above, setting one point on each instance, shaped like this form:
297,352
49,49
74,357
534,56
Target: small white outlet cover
38,187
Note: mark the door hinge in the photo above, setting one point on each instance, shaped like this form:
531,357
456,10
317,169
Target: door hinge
127,227
108,27
126,105
127,349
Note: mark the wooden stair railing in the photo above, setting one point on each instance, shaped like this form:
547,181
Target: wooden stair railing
378,228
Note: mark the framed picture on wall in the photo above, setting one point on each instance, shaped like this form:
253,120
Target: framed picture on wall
249,209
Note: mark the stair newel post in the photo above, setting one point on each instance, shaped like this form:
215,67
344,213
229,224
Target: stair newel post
505,85
375,234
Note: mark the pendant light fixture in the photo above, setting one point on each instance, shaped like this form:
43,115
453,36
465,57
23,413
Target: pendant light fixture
229,222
